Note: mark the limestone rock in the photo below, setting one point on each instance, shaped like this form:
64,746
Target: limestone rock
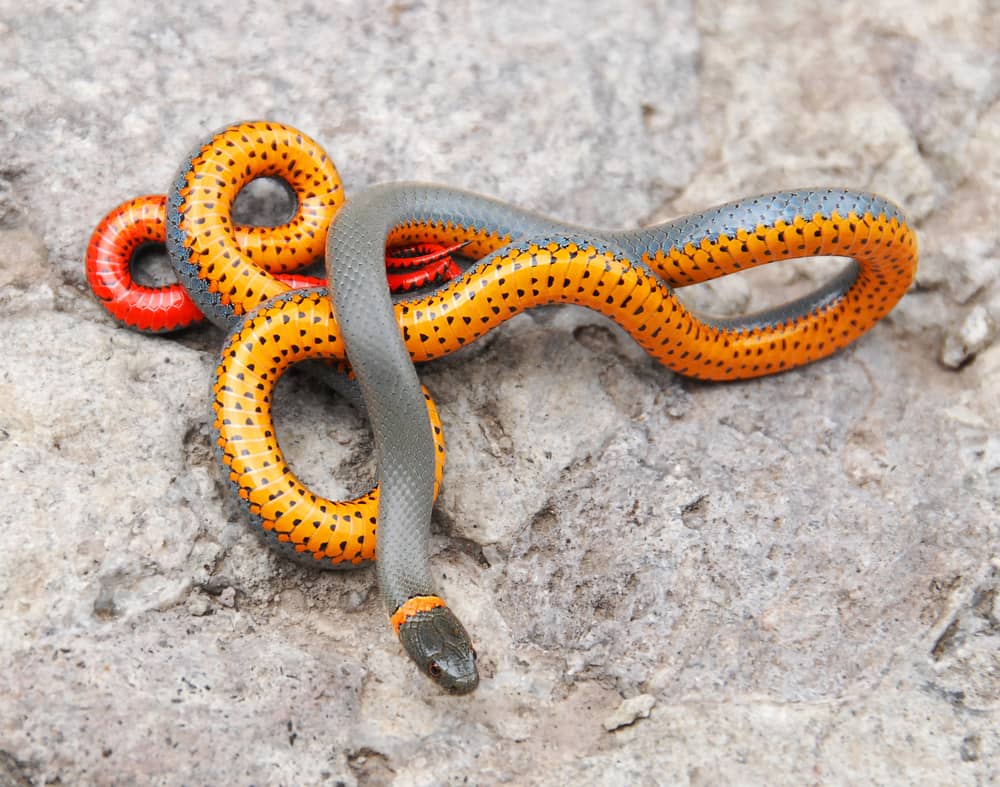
799,570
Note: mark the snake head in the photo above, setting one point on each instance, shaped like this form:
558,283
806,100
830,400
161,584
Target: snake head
440,646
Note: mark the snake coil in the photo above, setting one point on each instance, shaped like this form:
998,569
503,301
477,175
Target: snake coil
519,260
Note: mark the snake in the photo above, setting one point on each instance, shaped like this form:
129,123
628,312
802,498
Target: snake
515,260
141,222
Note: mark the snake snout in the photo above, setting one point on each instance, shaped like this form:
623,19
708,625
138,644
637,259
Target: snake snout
457,677
441,647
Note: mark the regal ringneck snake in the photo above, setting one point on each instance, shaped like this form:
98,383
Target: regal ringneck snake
522,260
141,222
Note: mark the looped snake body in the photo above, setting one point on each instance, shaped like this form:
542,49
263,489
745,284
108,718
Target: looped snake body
522,260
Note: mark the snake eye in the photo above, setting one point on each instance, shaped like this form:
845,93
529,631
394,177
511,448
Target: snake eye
475,656
434,669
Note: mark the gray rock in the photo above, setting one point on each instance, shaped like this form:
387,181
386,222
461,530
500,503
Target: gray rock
630,711
972,337
800,570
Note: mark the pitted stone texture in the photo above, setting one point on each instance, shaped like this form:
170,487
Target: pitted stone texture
807,584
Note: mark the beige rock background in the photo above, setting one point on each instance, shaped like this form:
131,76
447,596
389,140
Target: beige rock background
792,580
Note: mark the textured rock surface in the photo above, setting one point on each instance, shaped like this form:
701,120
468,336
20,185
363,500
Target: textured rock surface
802,571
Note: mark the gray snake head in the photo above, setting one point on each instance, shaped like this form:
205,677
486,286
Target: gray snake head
441,647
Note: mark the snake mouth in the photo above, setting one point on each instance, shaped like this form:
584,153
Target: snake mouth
458,684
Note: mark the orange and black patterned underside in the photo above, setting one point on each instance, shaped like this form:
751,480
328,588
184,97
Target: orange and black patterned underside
301,325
